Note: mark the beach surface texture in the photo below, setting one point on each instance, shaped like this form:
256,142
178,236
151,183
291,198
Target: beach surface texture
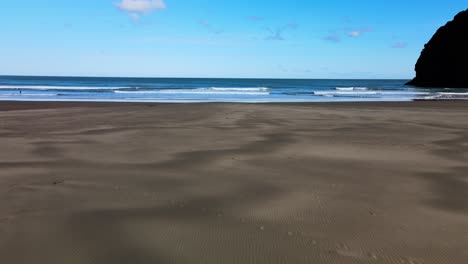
234,183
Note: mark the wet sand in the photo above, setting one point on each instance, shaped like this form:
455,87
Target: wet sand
234,183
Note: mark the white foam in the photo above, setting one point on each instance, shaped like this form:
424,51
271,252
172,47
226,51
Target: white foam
448,96
362,93
351,88
202,91
456,94
252,89
39,87
26,94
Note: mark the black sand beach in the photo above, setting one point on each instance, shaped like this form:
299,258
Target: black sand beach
234,183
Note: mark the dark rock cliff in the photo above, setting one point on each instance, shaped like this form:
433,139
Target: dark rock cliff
444,60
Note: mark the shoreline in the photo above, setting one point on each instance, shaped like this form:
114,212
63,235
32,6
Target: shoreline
13,104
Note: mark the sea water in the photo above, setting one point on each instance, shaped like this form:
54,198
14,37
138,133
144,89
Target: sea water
190,90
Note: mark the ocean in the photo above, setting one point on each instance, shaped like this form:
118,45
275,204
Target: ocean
190,90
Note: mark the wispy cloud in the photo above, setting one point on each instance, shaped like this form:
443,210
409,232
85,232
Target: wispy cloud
357,32
354,34
337,35
333,37
205,24
278,33
136,8
400,45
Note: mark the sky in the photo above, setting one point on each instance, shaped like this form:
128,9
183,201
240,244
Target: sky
359,39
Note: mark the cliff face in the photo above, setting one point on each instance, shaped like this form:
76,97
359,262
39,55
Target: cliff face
444,60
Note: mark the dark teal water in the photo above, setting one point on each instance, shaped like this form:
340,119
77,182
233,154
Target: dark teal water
28,88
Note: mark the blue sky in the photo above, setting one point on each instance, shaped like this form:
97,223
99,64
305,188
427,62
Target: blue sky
212,38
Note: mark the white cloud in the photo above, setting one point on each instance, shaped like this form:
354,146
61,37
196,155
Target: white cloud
354,34
357,32
135,8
